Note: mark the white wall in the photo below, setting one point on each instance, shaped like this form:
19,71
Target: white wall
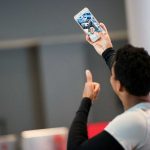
138,20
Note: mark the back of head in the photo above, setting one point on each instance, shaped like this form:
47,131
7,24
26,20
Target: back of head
132,69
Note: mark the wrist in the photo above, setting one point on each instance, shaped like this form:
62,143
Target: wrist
89,100
99,49
87,97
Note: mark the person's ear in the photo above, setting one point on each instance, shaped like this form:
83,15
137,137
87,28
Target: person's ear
119,86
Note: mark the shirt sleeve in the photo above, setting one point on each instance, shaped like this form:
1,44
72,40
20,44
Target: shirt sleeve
78,138
108,56
129,129
78,129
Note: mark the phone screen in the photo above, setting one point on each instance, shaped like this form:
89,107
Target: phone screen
88,22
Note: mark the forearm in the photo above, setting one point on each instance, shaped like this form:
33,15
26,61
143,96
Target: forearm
78,131
108,56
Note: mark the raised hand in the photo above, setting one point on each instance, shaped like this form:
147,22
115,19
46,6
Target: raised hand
91,88
103,43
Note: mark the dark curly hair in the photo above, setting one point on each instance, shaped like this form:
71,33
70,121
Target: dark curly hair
132,69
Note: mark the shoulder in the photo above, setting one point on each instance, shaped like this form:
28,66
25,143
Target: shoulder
129,119
129,128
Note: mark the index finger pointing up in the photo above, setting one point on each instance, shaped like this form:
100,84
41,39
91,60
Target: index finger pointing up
89,77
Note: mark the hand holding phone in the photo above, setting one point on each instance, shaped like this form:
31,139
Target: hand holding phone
88,24
103,43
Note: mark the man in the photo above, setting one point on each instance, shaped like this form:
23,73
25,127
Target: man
130,80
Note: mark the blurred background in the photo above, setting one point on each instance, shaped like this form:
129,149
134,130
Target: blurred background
43,57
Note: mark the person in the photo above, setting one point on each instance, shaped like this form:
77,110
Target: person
91,30
130,80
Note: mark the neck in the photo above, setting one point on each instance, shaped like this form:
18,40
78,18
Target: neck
131,100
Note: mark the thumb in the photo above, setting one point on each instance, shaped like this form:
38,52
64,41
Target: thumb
89,77
104,27
88,39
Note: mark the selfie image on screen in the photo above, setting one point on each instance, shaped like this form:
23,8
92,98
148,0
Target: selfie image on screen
89,23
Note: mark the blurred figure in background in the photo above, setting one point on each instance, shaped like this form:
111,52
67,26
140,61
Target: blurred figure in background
130,80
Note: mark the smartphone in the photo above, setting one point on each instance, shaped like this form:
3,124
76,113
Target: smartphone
88,24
